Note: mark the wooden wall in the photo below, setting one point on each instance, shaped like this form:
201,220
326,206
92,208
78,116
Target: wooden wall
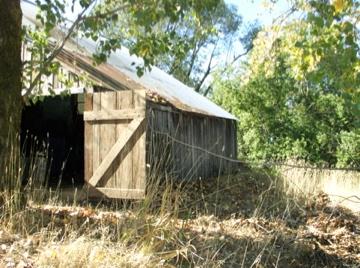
115,127
185,145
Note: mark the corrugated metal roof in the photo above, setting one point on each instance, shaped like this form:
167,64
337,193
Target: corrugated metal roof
120,70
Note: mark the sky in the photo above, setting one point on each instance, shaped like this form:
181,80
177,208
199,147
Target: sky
262,10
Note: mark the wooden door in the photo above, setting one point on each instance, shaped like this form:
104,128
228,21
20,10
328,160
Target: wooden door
115,144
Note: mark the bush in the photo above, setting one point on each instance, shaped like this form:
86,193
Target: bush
348,151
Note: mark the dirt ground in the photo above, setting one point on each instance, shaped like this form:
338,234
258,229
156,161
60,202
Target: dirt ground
239,221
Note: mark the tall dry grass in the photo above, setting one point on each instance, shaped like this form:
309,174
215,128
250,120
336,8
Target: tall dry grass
112,233
247,219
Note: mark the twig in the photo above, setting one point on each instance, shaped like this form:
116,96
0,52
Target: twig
347,198
57,50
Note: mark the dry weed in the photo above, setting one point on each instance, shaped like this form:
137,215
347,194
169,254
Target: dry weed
251,219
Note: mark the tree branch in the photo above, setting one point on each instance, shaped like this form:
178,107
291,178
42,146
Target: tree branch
207,90
208,70
193,57
61,45
236,58
105,14
57,50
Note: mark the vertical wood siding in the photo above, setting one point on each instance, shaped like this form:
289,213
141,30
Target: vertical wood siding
179,143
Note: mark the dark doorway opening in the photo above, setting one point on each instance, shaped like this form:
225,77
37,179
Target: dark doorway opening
54,129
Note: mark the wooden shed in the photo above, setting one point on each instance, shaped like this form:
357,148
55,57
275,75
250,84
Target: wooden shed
128,127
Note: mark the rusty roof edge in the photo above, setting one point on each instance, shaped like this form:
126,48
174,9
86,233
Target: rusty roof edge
112,75
172,100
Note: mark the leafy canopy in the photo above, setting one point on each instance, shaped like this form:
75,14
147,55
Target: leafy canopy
98,17
298,94
194,44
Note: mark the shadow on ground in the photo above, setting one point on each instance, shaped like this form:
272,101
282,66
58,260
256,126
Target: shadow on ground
243,220
254,223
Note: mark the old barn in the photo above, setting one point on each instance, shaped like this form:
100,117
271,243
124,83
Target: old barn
115,129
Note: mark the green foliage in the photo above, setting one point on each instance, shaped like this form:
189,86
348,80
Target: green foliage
297,95
348,151
139,26
183,47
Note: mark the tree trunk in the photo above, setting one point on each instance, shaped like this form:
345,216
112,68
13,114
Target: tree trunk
10,84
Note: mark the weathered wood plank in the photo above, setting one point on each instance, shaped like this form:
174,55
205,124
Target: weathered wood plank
209,133
88,139
139,150
124,167
198,155
112,114
170,146
100,192
148,137
96,144
97,74
205,144
189,165
180,151
176,146
107,131
116,150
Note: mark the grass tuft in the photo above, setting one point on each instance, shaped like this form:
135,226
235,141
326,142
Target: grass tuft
255,218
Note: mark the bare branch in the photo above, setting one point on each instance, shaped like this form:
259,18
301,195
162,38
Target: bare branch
207,90
208,69
236,58
193,58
